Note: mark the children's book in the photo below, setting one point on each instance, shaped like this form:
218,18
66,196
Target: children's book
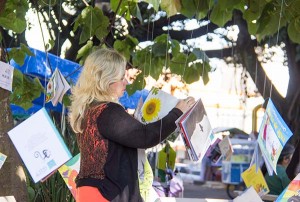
292,192
196,129
249,195
69,172
56,88
226,148
273,135
2,159
156,106
40,145
254,177
6,76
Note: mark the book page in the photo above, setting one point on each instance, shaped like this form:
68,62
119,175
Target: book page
40,145
273,135
255,179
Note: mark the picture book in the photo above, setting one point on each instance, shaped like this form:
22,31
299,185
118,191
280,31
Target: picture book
2,159
156,106
273,135
254,177
69,171
56,88
6,76
249,195
226,148
291,192
40,145
196,129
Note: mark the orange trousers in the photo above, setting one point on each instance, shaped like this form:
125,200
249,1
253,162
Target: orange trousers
89,194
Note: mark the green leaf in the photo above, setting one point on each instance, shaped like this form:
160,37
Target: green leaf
294,31
26,50
155,3
178,64
17,55
126,46
84,51
12,18
92,22
219,16
172,7
25,90
138,84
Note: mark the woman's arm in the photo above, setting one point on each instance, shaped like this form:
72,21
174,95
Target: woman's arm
116,124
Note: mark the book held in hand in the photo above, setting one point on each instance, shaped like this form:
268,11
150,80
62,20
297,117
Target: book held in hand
196,129
40,145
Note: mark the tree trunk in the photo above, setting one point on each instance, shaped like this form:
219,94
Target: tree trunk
12,175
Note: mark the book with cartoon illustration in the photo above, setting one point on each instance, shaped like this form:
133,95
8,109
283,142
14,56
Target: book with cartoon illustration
69,172
254,177
196,129
273,135
40,145
291,192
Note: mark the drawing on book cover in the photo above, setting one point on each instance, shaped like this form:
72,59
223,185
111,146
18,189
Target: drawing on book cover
157,105
273,135
196,129
292,192
69,171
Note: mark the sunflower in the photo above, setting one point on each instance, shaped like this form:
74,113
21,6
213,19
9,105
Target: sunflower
151,109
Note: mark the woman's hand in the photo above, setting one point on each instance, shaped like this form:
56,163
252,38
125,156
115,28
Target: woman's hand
185,104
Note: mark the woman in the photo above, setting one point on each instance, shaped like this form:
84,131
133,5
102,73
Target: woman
108,137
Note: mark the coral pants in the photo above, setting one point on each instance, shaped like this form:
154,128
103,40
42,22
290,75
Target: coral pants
89,194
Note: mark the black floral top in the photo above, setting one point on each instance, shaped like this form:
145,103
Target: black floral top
108,148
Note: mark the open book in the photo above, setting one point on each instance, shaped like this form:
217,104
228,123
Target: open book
40,145
273,135
196,129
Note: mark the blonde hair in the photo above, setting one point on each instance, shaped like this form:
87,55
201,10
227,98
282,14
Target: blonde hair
101,68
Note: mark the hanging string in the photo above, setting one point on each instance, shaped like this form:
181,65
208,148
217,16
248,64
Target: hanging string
47,64
186,58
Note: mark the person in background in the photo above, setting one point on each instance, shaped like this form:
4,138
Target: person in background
107,136
277,183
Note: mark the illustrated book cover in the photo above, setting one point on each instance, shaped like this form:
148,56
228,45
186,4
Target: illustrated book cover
273,135
40,145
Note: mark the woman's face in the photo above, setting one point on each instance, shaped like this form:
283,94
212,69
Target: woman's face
118,88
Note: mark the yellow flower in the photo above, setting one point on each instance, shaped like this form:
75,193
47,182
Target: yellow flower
151,109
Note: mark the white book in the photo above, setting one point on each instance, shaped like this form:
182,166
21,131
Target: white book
40,145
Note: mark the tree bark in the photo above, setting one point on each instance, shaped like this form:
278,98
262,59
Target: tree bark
12,175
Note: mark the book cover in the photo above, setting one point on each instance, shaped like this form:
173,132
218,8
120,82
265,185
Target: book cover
254,177
156,106
69,171
40,145
196,129
2,159
226,148
273,135
291,193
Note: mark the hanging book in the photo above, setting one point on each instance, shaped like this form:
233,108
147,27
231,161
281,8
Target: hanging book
273,135
2,159
291,193
56,88
69,172
196,129
40,145
254,177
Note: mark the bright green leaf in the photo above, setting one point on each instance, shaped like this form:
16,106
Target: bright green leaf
219,16
138,84
293,31
172,7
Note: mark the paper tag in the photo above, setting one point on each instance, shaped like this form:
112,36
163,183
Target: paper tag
6,76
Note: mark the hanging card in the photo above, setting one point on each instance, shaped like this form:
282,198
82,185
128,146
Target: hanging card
40,145
6,76
2,159
255,179
69,172
273,135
